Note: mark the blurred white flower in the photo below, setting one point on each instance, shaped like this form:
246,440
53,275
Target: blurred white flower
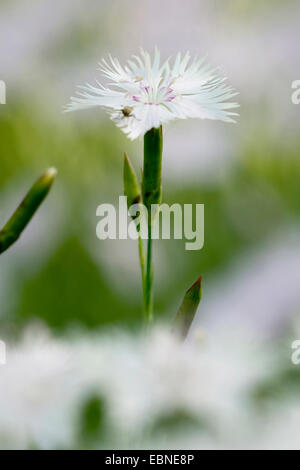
36,393
142,380
146,94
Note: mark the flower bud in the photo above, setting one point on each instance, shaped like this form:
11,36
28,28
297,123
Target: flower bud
188,308
25,211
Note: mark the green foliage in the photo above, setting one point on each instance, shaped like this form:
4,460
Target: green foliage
71,289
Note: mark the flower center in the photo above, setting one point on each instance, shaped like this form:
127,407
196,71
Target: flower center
154,95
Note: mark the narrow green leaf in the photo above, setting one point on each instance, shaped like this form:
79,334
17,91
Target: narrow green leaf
133,193
25,211
188,308
131,185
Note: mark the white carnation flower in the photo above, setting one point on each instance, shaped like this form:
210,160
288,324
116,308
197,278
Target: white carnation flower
145,94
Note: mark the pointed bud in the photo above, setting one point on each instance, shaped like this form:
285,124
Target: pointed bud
25,211
131,186
188,308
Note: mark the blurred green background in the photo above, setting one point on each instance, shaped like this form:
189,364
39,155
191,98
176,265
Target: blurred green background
247,174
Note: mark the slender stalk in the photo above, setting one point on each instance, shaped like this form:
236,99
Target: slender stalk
151,190
133,193
142,259
149,274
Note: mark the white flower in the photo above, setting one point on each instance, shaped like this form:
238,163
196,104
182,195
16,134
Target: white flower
146,94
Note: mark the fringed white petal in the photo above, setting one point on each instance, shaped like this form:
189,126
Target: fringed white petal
156,92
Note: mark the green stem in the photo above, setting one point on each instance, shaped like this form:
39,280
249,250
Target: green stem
142,258
149,274
133,193
151,190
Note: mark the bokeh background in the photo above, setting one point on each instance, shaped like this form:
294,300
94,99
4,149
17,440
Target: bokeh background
247,174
